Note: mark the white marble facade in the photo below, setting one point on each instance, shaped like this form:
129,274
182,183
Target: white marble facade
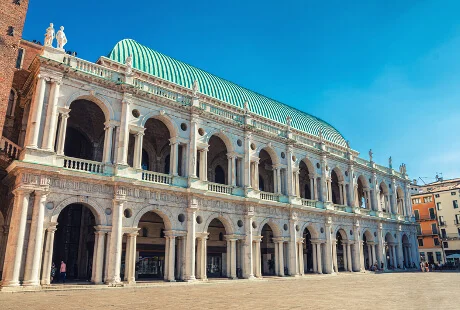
362,201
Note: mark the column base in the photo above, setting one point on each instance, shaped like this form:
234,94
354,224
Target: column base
233,278
45,282
31,283
190,279
171,280
250,277
10,284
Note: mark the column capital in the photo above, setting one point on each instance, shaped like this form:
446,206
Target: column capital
300,240
202,236
257,238
232,155
175,233
22,191
174,140
109,124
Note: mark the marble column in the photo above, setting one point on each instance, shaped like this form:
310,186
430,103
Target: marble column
315,266
204,164
341,193
199,252
319,259
334,255
257,260
345,199
248,253
293,249
328,250
312,189
51,116
281,258
36,112
35,245
107,256
301,264
15,245
345,256
108,137
62,132
400,254
204,257
349,261
99,261
48,256
329,190
174,156
233,259
166,261
122,156
190,245
369,256
193,150
113,277
393,253
171,258
137,158
374,259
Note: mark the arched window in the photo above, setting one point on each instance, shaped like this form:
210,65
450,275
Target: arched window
11,103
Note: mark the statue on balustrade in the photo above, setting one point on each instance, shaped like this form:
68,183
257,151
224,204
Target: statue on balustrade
61,38
49,35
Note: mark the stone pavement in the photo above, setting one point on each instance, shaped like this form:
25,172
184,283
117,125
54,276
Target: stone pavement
432,290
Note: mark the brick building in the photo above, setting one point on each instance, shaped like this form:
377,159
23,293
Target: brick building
12,18
428,231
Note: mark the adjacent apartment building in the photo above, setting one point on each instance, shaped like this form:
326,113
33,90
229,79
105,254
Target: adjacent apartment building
428,230
446,199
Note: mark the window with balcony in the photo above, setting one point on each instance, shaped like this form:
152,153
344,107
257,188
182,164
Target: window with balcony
432,213
436,241
419,230
443,233
438,205
434,229
427,199
445,244
441,221
457,219
455,203
420,242
417,215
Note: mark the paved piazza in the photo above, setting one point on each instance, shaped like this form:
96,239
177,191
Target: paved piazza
355,291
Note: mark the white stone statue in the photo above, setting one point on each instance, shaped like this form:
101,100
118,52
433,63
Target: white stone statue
288,121
49,35
348,144
195,88
61,38
129,65
370,155
320,135
246,107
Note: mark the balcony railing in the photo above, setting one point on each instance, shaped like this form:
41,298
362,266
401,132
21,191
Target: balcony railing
156,177
426,218
220,188
83,165
443,224
269,196
342,208
11,149
304,140
456,222
450,236
362,161
268,128
162,92
427,233
308,202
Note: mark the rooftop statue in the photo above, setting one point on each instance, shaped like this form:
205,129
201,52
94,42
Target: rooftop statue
288,121
195,88
61,38
370,155
49,35
390,162
246,107
320,135
129,65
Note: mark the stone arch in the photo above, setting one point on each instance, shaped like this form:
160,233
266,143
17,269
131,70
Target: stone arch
271,151
369,235
405,239
273,225
314,231
165,215
363,180
220,134
309,164
400,205
229,230
101,101
97,210
389,237
166,119
342,232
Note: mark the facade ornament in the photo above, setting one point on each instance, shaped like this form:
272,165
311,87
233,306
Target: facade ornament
370,155
61,38
320,135
348,144
49,35
129,65
402,168
246,107
195,88
390,162
288,121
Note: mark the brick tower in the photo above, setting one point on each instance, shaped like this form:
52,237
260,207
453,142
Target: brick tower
12,18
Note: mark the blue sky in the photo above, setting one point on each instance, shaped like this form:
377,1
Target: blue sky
386,74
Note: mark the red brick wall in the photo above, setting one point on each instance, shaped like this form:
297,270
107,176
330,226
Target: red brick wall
14,15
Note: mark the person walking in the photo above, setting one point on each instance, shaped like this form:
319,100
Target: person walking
53,272
63,271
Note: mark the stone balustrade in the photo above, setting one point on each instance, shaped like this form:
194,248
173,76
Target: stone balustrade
10,149
220,188
156,177
83,165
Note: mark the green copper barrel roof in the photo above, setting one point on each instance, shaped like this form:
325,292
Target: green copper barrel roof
159,65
